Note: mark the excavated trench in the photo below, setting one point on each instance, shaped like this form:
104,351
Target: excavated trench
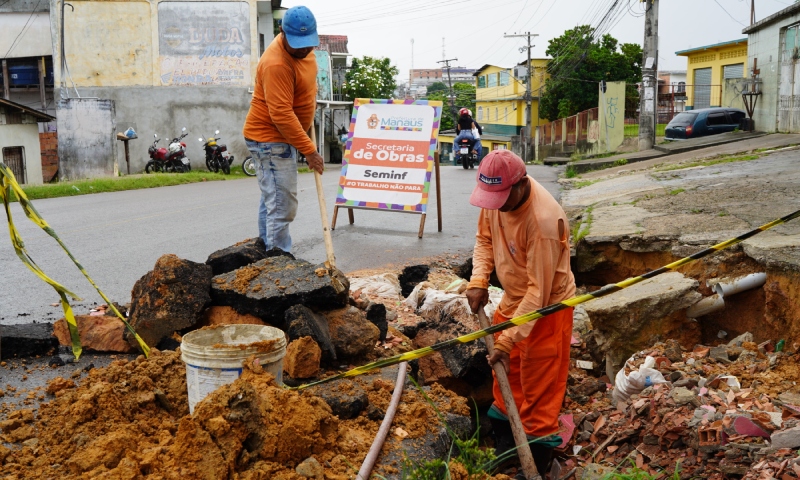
769,312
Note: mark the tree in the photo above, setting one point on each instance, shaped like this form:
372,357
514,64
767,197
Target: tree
370,77
437,87
580,62
464,98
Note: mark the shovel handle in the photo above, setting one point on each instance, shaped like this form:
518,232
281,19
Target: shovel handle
520,438
323,210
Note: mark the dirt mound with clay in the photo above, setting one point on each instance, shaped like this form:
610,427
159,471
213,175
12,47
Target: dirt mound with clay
131,421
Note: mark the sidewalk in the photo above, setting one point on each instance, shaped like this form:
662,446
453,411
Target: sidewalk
662,150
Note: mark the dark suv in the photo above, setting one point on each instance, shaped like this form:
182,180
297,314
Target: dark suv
702,122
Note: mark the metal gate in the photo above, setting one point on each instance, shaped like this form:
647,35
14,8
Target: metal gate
702,88
14,159
788,88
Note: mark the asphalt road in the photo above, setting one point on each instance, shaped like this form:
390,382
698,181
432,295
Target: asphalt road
119,236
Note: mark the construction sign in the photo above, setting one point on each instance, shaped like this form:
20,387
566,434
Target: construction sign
389,155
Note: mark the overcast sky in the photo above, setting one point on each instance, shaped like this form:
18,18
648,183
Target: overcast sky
473,29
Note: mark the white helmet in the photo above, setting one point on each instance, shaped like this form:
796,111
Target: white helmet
174,147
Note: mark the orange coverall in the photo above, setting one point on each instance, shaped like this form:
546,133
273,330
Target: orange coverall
529,248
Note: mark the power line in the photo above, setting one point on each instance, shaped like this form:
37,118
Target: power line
14,43
723,9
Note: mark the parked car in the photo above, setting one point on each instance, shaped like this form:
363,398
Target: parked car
704,121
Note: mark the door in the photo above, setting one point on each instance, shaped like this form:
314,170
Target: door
788,88
14,158
716,123
702,88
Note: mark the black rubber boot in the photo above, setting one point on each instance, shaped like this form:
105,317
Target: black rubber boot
502,436
542,457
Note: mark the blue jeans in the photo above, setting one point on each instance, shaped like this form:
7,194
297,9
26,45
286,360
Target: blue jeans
276,169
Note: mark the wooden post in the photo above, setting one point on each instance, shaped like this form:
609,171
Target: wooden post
438,190
127,156
6,81
421,226
520,438
42,75
350,216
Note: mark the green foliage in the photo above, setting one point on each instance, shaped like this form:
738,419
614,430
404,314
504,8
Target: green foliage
570,172
632,129
438,87
635,473
465,98
370,77
579,233
620,162
579,63
676,191
709,162
127,182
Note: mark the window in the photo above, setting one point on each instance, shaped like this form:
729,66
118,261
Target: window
491,80
790,41
480,114
482,81
681,87
505,78
505,117
736,116
716,119
496,115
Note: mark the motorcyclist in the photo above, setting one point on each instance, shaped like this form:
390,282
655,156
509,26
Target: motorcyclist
478,145
464,128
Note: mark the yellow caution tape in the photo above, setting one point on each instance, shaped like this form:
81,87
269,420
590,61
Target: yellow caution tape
550,309
9,183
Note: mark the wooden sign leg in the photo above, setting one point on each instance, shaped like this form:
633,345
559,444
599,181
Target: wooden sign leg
421,226
350,216
333,220
438,190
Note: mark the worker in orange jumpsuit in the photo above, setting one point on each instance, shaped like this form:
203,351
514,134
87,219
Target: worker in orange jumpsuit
523,234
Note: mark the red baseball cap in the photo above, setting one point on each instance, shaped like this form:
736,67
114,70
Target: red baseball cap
497,173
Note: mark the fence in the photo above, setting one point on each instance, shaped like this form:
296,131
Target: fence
672,100
568,131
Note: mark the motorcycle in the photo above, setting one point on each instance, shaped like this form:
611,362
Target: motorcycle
249,167
158,157
170,159
177,160
217,155
465,154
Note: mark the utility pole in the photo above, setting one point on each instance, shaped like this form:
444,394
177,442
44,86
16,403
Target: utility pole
450,82
648,113
528,97
752,12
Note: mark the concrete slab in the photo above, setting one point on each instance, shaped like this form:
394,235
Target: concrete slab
590,164
618,189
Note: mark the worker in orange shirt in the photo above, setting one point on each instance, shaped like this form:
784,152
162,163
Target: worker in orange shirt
280,117
523,234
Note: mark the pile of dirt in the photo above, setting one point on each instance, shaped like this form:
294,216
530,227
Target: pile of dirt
131,420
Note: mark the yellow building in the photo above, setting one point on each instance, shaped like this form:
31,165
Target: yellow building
708,67
500,97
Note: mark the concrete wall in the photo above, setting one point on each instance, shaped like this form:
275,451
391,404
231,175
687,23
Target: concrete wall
611,125
26,136
765,46
86,143
165,65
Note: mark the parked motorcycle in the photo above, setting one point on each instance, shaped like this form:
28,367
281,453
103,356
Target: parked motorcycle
217,155
158,157
249,167
170,159
464,153
177,160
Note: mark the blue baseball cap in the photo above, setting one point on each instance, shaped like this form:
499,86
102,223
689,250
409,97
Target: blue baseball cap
300,28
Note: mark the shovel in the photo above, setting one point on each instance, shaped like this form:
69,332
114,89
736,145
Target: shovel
323,210
520,439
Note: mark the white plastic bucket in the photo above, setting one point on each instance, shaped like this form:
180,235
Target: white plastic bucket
214,356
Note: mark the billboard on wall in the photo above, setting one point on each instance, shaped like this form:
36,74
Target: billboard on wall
388,156
204,43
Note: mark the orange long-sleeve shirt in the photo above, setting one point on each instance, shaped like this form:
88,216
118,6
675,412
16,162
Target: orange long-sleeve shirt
529,248
284,99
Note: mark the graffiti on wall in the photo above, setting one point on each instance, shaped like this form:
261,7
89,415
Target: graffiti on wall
612,110
204,43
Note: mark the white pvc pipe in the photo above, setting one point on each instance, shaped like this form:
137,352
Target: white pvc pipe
732,287
706,305
380,438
